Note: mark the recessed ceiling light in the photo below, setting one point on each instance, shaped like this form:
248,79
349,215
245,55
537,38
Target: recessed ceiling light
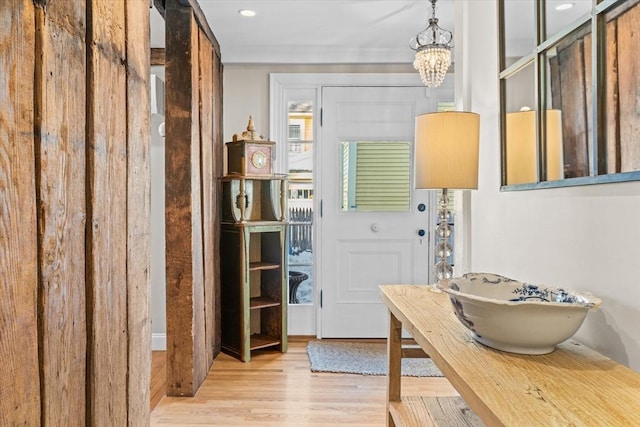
564,6
246,12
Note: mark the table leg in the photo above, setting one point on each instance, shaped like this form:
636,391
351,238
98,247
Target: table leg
394,359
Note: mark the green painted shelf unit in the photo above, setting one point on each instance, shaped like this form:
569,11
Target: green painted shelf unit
253,264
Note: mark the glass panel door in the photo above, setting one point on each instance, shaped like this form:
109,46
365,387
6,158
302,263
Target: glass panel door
300,142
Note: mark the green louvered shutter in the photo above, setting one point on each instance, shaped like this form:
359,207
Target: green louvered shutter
382,179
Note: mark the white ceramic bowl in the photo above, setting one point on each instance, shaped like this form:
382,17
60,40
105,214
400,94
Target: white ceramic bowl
517,317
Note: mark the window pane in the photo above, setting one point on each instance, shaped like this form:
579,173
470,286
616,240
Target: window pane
570,89
519,28
520,89
301,120
622,99
376,176
294,132
521,127
300,202
560,13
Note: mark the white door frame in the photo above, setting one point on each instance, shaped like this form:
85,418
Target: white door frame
305,319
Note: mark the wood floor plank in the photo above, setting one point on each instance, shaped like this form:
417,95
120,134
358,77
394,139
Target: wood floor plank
279,389
158,377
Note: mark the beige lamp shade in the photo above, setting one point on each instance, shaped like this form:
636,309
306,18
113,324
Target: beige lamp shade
447,145
521,147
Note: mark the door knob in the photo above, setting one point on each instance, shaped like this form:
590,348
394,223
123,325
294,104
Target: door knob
421,232
375,227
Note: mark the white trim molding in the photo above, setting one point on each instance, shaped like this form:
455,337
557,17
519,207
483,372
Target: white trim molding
159,342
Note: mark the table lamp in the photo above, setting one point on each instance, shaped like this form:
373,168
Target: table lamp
446,157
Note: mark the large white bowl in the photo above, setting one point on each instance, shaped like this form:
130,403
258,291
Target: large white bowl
517,317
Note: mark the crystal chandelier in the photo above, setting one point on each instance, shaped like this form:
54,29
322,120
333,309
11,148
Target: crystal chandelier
433,51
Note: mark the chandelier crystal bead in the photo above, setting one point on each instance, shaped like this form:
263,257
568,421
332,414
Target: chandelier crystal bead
433,51
432,63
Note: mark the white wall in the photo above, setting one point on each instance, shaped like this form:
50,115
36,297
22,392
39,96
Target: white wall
157,273
585,238
246,90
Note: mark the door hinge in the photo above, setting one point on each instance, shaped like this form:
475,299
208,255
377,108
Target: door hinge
320,208
321,110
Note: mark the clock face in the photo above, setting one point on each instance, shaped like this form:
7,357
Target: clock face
259,159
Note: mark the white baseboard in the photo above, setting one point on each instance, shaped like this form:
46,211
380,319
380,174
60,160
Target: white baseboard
159,342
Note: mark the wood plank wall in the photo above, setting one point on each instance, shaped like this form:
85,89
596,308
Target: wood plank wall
193,164
61,186
20,388
106,213
74,203
138,210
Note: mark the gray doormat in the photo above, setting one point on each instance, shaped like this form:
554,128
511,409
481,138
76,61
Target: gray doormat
362,358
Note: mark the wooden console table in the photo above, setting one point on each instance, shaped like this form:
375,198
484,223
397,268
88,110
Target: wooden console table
572,386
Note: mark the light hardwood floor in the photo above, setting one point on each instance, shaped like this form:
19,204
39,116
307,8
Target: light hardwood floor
158,376
275,389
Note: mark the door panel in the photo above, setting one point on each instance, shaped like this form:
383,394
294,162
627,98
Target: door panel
362,249
362,264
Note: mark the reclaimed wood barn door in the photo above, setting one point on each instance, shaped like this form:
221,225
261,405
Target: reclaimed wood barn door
74,205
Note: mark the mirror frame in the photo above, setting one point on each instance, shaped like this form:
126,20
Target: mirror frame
597,145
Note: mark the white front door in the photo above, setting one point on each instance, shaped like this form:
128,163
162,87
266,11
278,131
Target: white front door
372,218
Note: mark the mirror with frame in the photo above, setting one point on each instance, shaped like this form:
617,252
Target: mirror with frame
582,71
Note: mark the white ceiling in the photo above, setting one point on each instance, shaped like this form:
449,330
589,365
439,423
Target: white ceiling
340,31
316,31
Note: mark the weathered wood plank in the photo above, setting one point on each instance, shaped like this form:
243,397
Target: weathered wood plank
611,101
425,411
201,20
612,149
185,310
451,411
138,212
60,144
574,126
588,87
629,85
207,184
19,395
157,56
611,152
107,198
178,215
554,78
217,195
200,365
160,5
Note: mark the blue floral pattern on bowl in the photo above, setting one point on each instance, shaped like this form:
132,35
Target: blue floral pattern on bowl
459,311
528,291
534,292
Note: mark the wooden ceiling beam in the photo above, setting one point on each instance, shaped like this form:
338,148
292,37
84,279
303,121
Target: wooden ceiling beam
198,14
